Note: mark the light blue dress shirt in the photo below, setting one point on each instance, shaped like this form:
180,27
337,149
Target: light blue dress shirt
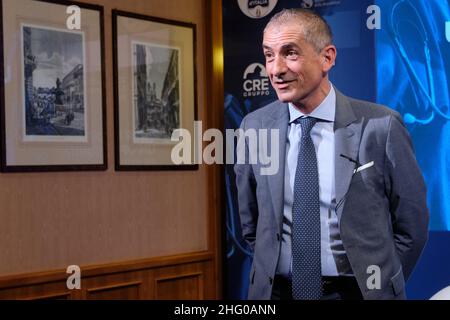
333,257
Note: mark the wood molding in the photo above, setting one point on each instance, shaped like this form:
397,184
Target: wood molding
51,296
108,291
115,286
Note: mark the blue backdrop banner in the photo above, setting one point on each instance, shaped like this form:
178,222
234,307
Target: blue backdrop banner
400,64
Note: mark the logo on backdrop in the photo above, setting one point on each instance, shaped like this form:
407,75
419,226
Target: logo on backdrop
257,8
256,81
307,4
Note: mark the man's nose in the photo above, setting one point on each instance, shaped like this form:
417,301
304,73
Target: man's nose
279,66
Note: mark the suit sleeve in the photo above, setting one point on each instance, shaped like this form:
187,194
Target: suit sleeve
406,190
246,190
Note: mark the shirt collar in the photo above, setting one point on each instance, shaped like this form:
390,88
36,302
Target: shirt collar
325,111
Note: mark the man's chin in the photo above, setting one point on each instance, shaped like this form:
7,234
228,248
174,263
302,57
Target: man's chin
285,98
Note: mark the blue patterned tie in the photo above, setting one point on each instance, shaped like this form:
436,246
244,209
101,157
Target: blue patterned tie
306,266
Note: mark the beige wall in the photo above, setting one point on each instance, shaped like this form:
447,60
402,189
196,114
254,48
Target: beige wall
51,220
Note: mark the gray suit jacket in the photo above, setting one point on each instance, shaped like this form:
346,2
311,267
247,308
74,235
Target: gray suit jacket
382,211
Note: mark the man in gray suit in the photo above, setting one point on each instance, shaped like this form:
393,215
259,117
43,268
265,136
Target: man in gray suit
345,216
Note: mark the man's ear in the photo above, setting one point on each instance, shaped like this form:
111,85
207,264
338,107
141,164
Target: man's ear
329,57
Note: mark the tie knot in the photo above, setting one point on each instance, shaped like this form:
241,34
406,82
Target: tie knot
306,123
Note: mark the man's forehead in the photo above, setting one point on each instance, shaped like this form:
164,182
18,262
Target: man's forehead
283,35
288,26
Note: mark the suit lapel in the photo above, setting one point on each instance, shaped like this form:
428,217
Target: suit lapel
347,136
279,120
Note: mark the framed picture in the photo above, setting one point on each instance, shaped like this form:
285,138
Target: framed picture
52,86
155,90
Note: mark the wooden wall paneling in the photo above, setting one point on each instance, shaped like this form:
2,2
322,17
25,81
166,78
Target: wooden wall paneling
189,276
132,290
44,291
188,286
181,282
117,286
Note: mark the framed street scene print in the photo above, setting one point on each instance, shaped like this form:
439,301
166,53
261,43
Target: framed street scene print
155,90
53,96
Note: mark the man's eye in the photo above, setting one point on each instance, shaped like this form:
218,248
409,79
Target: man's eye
268,55
291,53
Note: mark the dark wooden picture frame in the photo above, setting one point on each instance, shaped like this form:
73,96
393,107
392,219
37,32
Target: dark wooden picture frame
58,125
145,110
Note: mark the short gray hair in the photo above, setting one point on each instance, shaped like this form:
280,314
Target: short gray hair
316,30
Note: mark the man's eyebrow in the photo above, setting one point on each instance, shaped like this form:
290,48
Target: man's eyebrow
289,45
